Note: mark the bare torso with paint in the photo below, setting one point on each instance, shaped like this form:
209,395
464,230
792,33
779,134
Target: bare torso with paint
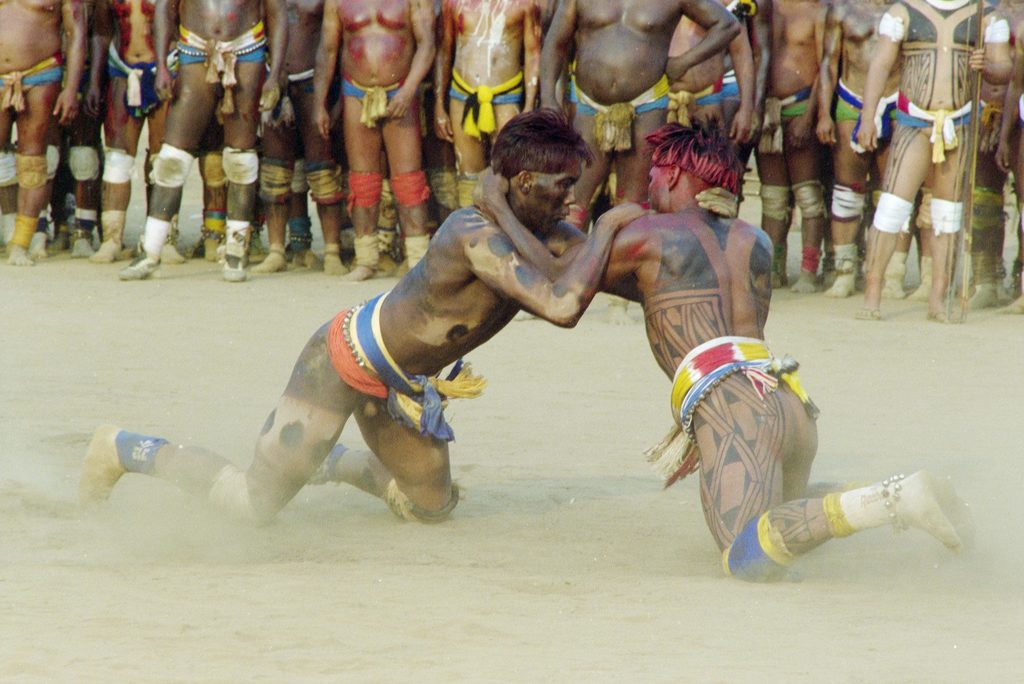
489,39
378,40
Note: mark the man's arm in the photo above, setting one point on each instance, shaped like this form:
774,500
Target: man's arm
99,43
554,51
531,54
443,70
743,64
828,74
762,43
421,13
998,63
1011,113
165,21
493,259
326,63
891,32
720,26
277,30
73,14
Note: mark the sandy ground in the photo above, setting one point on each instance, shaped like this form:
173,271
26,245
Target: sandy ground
564,562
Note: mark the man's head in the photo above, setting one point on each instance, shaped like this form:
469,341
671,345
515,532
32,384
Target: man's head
541,155
688,160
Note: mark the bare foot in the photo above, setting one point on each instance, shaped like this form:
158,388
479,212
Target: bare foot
938,316
140,269
274,263
18,256
108,253
170,254
842,287
333,265
806,283
101,469
867,314
1017,307
37,249
82,249
985,297
930,504
358,274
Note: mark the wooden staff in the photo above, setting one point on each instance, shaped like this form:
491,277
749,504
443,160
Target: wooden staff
963,253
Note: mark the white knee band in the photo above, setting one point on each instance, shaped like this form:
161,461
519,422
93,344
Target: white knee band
775,202
171,167
52,161
241,166
810,198
119,166
230,494
299,184
847,203
946,216
892,215
8,170
84,163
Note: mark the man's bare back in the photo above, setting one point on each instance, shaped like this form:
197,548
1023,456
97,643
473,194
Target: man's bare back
698,277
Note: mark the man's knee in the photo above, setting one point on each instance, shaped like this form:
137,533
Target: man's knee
892,215
31,170
324,179
947,216
8,169
775,202
211,166
231,495
364,189
241,166
118,167
276,177
847,202
171,166
404,508
84,163
810,198
410,188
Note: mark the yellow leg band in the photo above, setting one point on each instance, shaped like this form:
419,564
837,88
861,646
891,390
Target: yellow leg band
466,184
838,525
24,229
772,542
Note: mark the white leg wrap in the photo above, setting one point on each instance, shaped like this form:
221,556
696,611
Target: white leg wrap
154,236
171,167
84,163
8,170
810,198
775,202
230,494
946,216
241,166
847,203
892,215
118,167
52,161
299,185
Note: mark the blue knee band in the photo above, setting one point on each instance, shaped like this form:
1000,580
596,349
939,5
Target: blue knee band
137,453
747,559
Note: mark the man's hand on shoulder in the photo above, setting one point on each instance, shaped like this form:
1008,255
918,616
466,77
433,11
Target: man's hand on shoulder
490,194
617,218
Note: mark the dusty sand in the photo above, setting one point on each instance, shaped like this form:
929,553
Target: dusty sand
565,561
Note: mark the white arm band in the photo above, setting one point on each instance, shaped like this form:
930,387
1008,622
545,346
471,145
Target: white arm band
891,27
997,32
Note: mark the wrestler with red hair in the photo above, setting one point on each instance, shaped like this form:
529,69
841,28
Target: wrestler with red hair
743,421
